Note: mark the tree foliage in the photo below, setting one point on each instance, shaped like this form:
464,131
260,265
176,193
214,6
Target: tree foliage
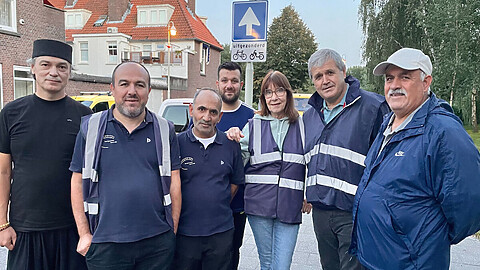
290,44
447,31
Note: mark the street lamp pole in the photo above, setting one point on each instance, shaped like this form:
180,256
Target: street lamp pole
171,31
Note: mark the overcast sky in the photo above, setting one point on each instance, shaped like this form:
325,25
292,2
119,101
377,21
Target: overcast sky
333,22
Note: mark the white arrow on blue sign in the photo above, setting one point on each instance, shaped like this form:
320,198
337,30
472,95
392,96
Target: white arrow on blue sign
249,21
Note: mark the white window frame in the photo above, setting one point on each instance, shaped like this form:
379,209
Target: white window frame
204,58
109,59
13,17
163,13
81,50
146,51
25,69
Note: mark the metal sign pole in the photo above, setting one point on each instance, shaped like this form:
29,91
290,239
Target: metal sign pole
249,83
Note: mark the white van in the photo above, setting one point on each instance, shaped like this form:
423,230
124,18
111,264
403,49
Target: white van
176,110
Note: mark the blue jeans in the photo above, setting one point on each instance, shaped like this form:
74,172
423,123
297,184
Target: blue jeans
275,241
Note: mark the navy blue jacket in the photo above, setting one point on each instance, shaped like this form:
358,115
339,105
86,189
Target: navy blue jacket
420,195
335,152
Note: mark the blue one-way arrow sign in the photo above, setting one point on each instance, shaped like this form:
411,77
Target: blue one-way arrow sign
249,21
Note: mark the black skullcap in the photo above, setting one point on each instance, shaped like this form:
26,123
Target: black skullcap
54,48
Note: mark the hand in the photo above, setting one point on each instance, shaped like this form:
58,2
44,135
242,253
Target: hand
8,237
234,134
84,244
307,207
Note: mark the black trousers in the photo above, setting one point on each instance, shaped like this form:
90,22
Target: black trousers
239,220
155,253
204,252
333,229
45,250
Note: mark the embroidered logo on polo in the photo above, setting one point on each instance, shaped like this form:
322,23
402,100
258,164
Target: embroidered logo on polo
107,138
186,162
221,162
148,140
400,154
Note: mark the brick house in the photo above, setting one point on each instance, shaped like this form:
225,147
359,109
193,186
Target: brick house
103,33
22,22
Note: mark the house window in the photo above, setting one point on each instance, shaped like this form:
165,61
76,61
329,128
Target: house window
154,14
70,18
162,16
136,56
83,52
24,84
112,53
204,58
143,17
125,55
177,57
8,18
78,20
147,54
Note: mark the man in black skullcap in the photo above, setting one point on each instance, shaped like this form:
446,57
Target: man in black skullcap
37,136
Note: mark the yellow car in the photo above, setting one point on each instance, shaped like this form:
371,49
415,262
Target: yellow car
301,102
95,101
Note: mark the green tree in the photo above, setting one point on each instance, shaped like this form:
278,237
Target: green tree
290,44
225,54
447,31
361,73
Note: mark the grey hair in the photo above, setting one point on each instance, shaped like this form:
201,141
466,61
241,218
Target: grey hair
217,95
422,78
31,61
318,59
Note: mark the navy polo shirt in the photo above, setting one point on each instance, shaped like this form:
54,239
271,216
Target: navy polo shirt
206,176
130,189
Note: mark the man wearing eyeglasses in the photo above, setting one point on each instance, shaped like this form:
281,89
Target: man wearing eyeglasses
339,129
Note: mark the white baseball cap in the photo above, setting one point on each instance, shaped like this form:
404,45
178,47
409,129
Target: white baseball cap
408,59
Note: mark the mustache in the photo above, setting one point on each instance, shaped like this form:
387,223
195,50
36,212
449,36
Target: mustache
392,92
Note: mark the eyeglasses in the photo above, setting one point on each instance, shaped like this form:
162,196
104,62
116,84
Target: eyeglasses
280,92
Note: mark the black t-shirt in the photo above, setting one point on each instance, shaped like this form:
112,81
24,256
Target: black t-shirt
40,137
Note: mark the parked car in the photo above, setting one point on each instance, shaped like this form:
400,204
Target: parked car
97,101
301,102
176,110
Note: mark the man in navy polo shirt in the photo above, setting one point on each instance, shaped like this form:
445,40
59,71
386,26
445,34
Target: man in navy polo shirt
128,158
235,113
211,170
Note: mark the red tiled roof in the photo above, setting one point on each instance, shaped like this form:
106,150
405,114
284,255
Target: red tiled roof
188,26
60,4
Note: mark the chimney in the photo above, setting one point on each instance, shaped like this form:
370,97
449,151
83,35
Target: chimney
116,9
191,5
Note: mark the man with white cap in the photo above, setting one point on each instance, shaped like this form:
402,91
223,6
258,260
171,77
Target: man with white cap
420,190
37,136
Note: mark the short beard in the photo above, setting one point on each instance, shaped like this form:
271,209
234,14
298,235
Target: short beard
133,113
231,100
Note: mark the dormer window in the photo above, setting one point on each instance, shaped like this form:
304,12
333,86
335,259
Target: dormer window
154,15
76,18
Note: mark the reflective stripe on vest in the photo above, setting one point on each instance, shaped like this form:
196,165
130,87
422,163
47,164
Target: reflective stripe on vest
336,151
257,146
273,180
88,172
273,156
331,182
165,168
